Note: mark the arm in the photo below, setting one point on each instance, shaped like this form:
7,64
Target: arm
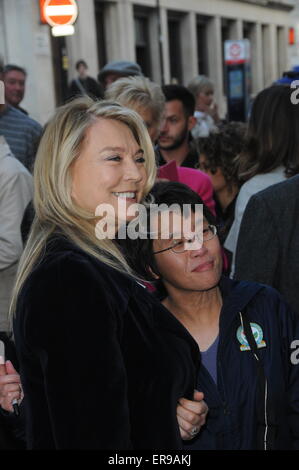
73,330
10,388
191,414
213,112
232,238
257,254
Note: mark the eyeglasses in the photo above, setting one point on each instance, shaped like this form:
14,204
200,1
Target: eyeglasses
180,246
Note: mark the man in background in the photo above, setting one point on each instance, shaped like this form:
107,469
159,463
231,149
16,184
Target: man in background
118,69
174,142
21,133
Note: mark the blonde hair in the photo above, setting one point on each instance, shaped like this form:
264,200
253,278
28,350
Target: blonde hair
55,209
138,91
200,83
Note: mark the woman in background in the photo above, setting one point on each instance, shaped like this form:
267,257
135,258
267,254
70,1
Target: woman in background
217,158
271,153
206,110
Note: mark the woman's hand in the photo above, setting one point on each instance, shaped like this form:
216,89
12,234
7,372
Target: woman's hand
191,415
10,386
213,112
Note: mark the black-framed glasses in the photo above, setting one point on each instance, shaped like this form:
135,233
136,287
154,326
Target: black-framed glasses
180,246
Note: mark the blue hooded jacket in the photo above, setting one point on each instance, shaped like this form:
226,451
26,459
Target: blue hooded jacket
234,403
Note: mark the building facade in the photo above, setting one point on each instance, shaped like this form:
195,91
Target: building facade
172,40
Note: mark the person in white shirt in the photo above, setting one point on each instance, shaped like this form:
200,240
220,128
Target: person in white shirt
16,191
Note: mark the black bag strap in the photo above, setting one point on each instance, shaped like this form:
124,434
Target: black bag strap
265,410
80,86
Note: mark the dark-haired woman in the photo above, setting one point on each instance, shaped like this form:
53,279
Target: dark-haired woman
244,331
271,154
217,158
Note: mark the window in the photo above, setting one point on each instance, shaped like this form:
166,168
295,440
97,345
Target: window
142,46
175,48
281,49
100,27
60,66
225,36
248,30
202,45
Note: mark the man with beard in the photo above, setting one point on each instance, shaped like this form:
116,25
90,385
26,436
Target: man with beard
174,142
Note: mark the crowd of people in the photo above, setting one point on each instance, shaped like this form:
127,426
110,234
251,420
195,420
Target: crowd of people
185,341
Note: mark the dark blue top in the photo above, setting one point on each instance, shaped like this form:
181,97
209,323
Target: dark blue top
233,419
209,359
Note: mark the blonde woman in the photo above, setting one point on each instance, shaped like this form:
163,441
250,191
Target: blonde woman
103,365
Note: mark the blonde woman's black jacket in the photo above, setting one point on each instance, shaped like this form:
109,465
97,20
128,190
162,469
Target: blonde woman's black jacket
102,362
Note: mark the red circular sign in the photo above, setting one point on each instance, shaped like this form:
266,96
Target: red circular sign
235,50
60,12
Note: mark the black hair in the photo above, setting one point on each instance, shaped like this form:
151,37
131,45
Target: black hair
221,148
273,137
139,253
181,93
81,62
11,67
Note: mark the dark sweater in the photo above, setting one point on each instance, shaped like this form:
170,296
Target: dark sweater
102,362
268,243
